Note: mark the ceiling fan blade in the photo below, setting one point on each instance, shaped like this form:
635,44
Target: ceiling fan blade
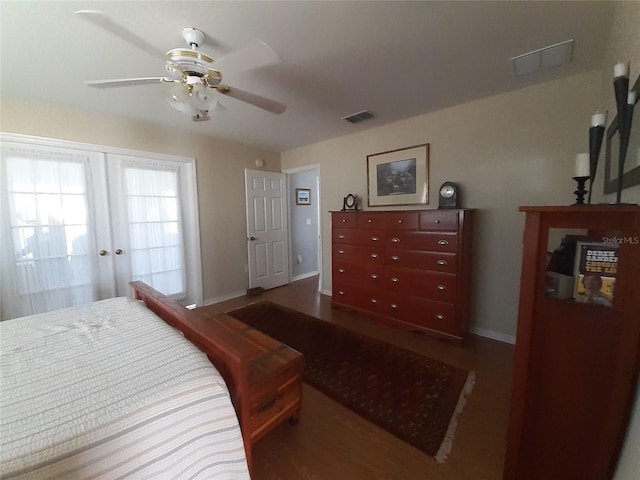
252,99
253,56
99,18
126,82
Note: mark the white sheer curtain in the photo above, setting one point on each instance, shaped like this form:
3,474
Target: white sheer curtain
45,228
155,226
78,223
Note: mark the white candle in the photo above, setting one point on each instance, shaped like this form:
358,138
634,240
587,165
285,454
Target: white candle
582,165
621,69
631,98
599,119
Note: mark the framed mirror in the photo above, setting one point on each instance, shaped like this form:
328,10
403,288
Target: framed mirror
612,152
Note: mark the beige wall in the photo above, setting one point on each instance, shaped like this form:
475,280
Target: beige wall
220,170
505,151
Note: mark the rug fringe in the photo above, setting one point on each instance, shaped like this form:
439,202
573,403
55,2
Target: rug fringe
447,442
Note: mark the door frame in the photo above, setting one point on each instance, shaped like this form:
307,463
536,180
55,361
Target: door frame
305,168
191,215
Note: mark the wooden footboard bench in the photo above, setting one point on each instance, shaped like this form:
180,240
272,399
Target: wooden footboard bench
264,376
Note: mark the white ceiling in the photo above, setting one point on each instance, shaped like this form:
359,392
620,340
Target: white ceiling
397,59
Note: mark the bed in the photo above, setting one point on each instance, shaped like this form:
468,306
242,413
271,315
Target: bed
110,391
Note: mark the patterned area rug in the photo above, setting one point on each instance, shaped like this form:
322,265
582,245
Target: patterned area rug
414,397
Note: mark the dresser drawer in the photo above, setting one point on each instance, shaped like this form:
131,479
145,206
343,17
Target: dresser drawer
358,298
432,261
433,286
431,241
437,220
369,277
343,219
401,221
438,316
388,220
357,236
370,220
358,254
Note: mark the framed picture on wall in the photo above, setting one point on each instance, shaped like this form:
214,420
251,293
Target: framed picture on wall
399,177
303,196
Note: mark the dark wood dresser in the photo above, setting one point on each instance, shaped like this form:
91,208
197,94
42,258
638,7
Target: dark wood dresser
411,267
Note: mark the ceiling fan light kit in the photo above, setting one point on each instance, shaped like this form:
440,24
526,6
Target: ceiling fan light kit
189,71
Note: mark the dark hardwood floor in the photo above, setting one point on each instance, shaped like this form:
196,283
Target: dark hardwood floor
332,443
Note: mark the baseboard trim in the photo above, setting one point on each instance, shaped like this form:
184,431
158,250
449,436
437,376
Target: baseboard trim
222,298
492,334
303,276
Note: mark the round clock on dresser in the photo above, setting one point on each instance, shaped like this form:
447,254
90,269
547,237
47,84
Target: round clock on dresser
448,195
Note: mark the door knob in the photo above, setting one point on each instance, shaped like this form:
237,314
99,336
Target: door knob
119,251
252,238
103,253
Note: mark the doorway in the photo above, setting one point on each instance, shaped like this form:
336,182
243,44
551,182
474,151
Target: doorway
305,244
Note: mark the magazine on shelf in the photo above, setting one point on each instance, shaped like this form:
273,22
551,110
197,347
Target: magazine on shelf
594,277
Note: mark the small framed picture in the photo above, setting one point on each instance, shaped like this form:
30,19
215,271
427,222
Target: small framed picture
303,196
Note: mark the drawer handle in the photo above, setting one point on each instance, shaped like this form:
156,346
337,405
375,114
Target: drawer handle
374,255
267,404
373,300
395,280
394,306
370,221
443,242
437,221
374,276
341,236
340,292
375,239
341,270
344,220
442,262
395,258
442,288
340,252
400,221
440,316
395,240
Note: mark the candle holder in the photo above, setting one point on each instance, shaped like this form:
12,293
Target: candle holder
581,191
625,119
621,91
596,134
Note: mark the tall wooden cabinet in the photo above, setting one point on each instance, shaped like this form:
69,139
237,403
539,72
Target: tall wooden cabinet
410,267
576,364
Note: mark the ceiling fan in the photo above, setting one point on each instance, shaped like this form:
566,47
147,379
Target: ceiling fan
191,82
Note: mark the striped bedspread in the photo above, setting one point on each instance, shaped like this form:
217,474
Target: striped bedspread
110,391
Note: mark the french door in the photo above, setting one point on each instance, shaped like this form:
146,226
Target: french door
78,225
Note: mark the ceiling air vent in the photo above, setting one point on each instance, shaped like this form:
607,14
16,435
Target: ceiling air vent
547,57
359,117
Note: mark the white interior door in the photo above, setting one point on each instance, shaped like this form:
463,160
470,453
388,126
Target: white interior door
267,237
